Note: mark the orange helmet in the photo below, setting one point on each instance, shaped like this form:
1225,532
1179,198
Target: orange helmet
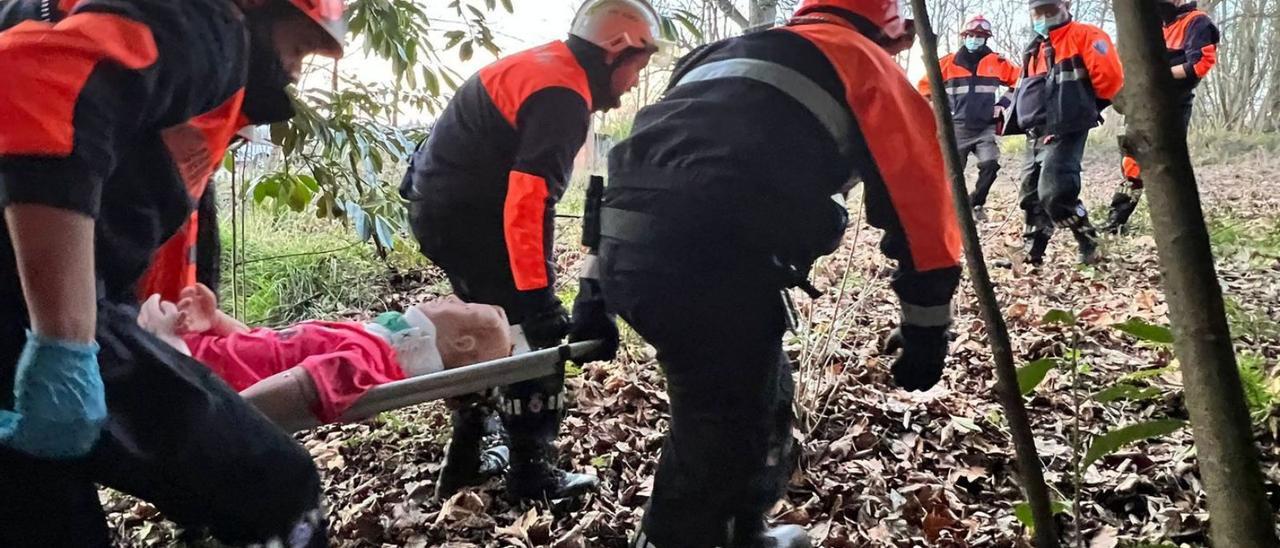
329,15
977,26
881,13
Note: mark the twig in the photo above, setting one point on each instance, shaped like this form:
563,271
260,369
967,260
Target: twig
301,254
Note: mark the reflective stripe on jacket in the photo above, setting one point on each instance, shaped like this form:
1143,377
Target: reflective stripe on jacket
973,93
1066,81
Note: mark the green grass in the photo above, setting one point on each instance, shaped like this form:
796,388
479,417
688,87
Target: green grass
1257,240
1215,146
1259,390
297,267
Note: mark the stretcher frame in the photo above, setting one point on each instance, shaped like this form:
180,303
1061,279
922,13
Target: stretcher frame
464,380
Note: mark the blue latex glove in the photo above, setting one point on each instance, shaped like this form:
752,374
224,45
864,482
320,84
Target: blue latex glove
59,400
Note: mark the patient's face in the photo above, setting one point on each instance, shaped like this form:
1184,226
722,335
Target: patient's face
468,333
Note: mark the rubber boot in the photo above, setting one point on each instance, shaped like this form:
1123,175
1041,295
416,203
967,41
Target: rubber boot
532,423
1036,242
465,465
1123,205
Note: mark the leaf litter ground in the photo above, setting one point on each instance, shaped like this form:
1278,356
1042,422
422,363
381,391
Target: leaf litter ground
880,467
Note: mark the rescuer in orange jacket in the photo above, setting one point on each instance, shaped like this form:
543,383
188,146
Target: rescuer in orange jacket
483,190
972,77
113,115
1191,41
723,196
1070,72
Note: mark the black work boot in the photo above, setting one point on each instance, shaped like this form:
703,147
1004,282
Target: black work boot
1087,238
465,465
1123,205
1036,242
532,424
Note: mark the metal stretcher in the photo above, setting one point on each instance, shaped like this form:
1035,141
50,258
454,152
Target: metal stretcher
464,380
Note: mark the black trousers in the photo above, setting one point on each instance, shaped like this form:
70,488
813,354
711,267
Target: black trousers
1050,193
728,454
177,437
469,245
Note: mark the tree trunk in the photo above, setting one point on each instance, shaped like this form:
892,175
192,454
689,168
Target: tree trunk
733,14
1240,514
1030,471
764,13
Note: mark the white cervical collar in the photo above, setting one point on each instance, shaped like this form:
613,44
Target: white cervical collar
415,347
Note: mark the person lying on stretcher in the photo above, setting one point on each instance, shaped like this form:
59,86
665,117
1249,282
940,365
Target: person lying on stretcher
317,370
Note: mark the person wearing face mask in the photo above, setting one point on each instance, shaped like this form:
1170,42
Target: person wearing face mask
1191,41
113,115
1070,73
482,192
726,192
972,77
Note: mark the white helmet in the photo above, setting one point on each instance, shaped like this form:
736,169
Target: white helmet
618,25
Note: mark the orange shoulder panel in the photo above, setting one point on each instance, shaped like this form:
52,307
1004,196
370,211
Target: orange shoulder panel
902,140
1175,35
47,66
513,80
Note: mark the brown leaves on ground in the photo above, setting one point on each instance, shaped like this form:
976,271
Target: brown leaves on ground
880,467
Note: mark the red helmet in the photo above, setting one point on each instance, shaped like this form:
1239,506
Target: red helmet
977,26
881,13
329,15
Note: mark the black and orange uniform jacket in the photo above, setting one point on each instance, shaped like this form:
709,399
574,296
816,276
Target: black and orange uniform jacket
1191,40
119,110
742,162
1067,80
504,150
972,79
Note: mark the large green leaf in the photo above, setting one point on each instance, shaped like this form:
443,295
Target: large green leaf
1144,331
1031,375
1112,441
1126,391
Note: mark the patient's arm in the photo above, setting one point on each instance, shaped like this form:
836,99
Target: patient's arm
286,398
200,306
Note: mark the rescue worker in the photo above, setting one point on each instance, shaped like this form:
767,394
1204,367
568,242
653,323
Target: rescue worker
113,115
1191,40
483,189
972,77
1070,72
722,197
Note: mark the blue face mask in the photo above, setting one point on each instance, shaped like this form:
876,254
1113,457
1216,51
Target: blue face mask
973,43
1041,26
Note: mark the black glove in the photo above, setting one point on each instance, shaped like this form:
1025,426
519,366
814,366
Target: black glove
924,351
592,322
547,329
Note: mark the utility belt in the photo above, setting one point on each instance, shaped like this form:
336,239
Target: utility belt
655,234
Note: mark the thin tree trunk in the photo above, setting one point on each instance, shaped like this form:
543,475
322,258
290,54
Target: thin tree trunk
764,13
1240,514
1030,472
733,14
